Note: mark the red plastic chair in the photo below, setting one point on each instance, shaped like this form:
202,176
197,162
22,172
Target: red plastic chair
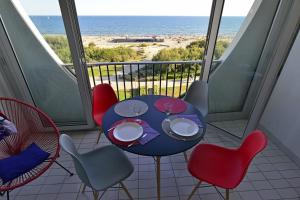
103,98
33,126
224,167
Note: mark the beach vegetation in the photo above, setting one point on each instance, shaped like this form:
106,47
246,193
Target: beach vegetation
60,46
143,45
93,53
221,46
171,54
104,71
193,51
91,45
142,91
116,54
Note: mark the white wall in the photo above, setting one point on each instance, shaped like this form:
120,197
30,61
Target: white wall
281,117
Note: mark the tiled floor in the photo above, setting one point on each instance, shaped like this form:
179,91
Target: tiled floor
235,127
272,175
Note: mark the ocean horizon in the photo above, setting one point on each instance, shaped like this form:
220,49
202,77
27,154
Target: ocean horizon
139,25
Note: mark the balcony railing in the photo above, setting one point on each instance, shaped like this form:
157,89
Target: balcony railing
129,79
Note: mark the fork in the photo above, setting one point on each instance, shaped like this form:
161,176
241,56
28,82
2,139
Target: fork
134,142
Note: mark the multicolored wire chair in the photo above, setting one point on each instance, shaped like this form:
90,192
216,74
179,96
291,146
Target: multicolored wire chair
33,127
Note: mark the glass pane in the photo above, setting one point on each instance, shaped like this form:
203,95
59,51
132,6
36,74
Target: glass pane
38,37
126,44
235,79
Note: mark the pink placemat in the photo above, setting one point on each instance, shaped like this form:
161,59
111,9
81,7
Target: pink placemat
170,105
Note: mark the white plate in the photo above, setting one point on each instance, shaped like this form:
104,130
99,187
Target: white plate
128,131
184,127
131,108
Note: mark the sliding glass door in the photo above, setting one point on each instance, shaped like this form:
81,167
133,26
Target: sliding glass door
38,37
235,81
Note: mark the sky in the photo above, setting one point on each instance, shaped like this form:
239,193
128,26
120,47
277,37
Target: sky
139,7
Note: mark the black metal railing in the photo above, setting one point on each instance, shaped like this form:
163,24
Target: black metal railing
129,79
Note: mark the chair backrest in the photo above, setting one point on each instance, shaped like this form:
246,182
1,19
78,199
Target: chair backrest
103,98
33,126
254,143
68,146
197,95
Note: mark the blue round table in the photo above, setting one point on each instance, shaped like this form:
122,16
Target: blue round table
162,145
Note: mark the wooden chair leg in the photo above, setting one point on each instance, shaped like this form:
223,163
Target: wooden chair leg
227,194
83,188
126,190
99,135
95,194
185,157
194,190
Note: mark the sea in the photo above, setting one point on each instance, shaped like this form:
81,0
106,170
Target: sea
139,25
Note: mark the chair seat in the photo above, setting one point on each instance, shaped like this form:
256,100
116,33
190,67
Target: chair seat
106,166
216,165
98,118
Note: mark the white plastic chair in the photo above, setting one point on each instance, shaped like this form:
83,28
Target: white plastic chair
101,168
197,95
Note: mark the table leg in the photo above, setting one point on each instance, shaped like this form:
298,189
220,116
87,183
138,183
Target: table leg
158,176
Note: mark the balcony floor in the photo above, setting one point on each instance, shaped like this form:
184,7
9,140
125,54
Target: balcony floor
272,175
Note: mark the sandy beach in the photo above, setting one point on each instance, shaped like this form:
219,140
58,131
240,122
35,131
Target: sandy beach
149,48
